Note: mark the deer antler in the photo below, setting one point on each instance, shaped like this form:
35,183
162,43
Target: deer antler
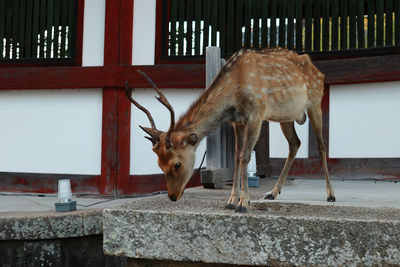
155,137
163,100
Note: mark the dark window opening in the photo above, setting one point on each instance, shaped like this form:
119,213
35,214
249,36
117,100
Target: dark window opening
38,31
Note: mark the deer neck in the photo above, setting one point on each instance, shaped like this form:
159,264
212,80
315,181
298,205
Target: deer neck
210,110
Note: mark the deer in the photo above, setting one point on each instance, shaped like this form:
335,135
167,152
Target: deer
255,85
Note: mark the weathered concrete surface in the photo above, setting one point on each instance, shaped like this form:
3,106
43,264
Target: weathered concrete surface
196,229
49,225
29,217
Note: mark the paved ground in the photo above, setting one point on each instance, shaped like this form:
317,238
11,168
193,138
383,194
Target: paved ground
355,193
364,193
10,202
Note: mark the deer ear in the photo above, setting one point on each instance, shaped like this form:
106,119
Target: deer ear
191,139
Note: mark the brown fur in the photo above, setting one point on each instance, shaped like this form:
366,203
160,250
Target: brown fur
254,85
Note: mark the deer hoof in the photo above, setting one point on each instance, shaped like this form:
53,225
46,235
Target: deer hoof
229,207
241,209
270,197
331,199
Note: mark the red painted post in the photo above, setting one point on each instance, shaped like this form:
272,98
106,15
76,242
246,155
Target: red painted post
116,112
124,106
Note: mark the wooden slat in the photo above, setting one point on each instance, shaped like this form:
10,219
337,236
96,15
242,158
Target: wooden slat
64,23
197,31
49,27
352,24
273,16
360,24
57,22
239,24
282,6
14,39
189,32
343,24
206,13
325,24
264,26
173,19
2,25
317,25
181,31
299,25
308,25
247,23
389,22
21,30
379,23
42,26
8,31
28,29
371,23
222,23
290,26
397,22
256,24
230,28
335,24
72,31
214,22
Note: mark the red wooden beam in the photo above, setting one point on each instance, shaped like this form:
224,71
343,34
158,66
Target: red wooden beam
165,76
360,70
337,71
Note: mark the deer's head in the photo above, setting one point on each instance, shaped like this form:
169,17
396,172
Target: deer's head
175,149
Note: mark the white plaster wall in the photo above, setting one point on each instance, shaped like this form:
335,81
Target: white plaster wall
364,120
51,131
93,33
143,159
144,31
278,145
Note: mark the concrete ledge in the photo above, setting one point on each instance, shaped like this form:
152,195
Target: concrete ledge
50,225
271,233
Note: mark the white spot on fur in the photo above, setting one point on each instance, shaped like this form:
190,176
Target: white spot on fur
264,64
266,78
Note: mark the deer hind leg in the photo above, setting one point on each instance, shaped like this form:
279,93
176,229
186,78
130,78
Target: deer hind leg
239,138
315,116
294,144
251,132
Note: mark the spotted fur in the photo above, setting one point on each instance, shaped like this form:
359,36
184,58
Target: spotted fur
253,86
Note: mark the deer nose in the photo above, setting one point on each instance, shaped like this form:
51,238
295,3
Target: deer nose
172,197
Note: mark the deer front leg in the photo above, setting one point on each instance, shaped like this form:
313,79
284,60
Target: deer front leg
234,198
251,132
294,144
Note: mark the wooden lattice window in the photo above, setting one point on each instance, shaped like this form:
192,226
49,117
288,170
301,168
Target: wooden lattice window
33,31
312,26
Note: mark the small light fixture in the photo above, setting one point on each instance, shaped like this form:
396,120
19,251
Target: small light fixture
65,196
252,170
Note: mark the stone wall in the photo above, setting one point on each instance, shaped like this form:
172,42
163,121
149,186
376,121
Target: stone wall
68,252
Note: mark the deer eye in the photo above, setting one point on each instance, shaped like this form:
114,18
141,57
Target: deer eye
177,166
